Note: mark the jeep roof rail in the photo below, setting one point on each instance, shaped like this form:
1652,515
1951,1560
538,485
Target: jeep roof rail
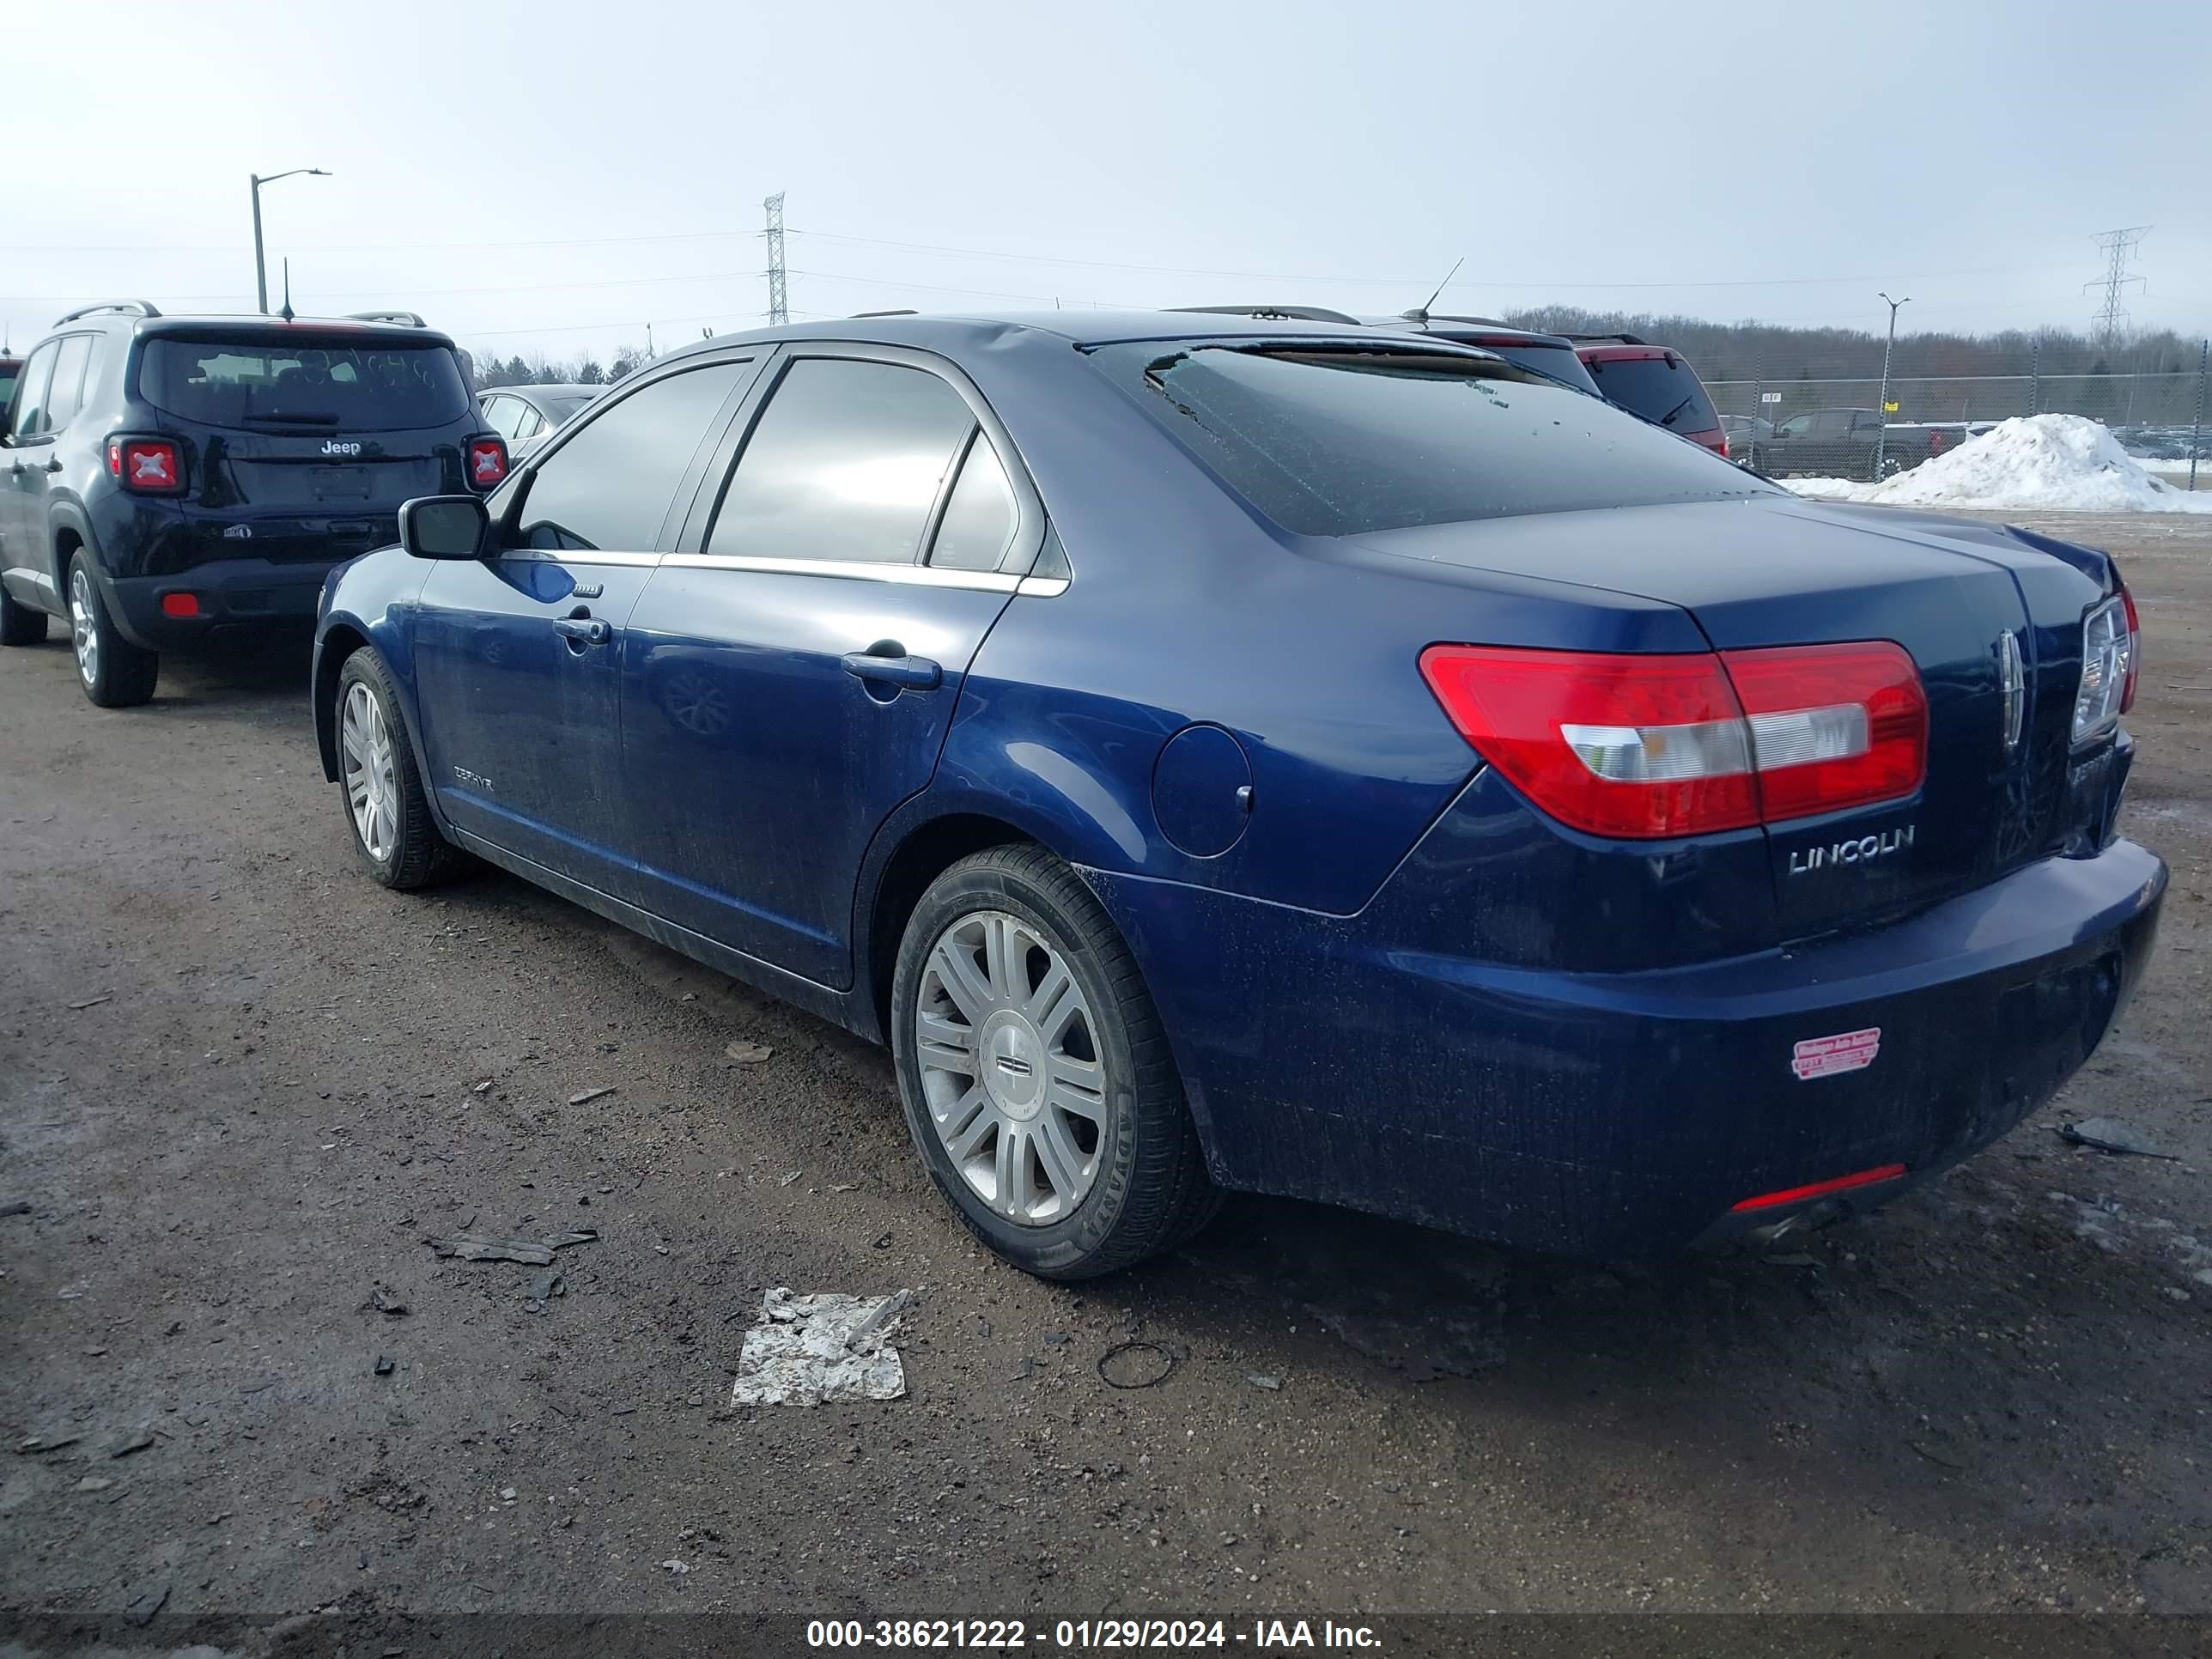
142,307
412,320
1272,313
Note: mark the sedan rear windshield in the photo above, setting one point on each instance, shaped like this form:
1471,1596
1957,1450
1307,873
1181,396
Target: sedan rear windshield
305,384
1660,389
1344,443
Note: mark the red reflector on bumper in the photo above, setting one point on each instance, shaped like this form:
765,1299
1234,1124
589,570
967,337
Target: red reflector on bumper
181,604
1819,1189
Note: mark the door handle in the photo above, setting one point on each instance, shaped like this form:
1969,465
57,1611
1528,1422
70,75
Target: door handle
908,673
583,630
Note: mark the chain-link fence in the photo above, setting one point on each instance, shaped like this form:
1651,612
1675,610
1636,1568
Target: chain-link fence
1836,415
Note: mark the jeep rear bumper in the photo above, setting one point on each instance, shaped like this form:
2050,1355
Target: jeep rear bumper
217,603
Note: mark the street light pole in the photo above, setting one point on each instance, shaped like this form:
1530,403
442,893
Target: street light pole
1881,431
261,264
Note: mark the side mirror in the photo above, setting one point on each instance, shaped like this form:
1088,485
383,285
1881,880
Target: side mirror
444,528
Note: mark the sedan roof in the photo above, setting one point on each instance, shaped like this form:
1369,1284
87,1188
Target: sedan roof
1080,328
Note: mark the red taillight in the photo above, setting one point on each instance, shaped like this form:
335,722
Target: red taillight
151,466
1832,725
181,604
486,462
2134,644
1647,747
1721,446
1818,1189
1641,746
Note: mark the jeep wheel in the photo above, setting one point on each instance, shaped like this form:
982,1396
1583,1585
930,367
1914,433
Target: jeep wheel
115,673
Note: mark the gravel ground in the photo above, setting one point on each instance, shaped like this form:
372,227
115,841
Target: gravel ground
240,1086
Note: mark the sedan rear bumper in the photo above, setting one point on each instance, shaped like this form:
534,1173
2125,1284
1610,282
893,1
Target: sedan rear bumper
1618,1115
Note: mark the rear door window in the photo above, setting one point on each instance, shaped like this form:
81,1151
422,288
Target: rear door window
1342,442
846,462
31,400
1663,390
331,383
980,516
66,396
609,484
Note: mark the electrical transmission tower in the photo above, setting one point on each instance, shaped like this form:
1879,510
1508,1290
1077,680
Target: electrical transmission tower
2119,250
778,310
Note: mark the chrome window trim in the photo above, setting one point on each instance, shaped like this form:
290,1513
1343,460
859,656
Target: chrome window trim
578,555
872,570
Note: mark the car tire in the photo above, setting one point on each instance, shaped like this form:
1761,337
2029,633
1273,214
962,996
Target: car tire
19,624
114,673
1077,1156
387,810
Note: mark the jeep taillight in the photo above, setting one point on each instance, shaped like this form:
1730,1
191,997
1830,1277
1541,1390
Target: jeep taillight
1646,747
148,466
486,462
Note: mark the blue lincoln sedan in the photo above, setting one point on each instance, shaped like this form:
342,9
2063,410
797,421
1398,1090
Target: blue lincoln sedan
1221,753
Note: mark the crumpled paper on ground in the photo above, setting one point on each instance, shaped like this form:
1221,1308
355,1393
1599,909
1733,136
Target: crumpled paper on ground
803,1352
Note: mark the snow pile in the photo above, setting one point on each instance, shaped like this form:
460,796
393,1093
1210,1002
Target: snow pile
2054,463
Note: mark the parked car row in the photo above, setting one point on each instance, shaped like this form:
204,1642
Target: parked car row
1852,443
1224,751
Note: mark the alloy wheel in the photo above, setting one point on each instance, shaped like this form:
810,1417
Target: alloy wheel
84,626
372,783
1010,1066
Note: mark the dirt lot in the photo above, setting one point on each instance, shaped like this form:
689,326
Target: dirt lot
239,1086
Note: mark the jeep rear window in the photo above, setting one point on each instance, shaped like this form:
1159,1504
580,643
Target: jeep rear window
1344,443
305,385
1558,362
1662,389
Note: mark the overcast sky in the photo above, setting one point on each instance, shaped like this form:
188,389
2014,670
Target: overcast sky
552,176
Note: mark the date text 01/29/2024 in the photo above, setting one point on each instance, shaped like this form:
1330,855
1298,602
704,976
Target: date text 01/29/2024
1090,1635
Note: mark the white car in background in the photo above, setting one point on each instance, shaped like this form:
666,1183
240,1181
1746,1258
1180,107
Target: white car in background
526,416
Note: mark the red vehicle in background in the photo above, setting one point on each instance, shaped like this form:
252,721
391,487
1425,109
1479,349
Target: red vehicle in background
1654,381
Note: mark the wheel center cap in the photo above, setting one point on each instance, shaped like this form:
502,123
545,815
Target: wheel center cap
1014,1065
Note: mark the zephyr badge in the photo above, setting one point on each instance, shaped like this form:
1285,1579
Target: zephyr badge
2012,677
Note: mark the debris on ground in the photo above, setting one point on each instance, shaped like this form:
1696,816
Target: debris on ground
90,1002
16,1206
531,1252
385,1303
1136,1364
544,1286
131,1440
483,1088
748,1054
1266,1380
95,1483
46,1443
586,1097
807,1350
2112,1134
384,1363
676,1567
142,1608
792,1176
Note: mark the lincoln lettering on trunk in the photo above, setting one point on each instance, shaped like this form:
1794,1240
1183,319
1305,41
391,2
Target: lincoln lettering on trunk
1862,849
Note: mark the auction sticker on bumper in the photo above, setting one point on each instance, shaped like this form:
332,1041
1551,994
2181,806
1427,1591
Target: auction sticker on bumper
1847,1051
